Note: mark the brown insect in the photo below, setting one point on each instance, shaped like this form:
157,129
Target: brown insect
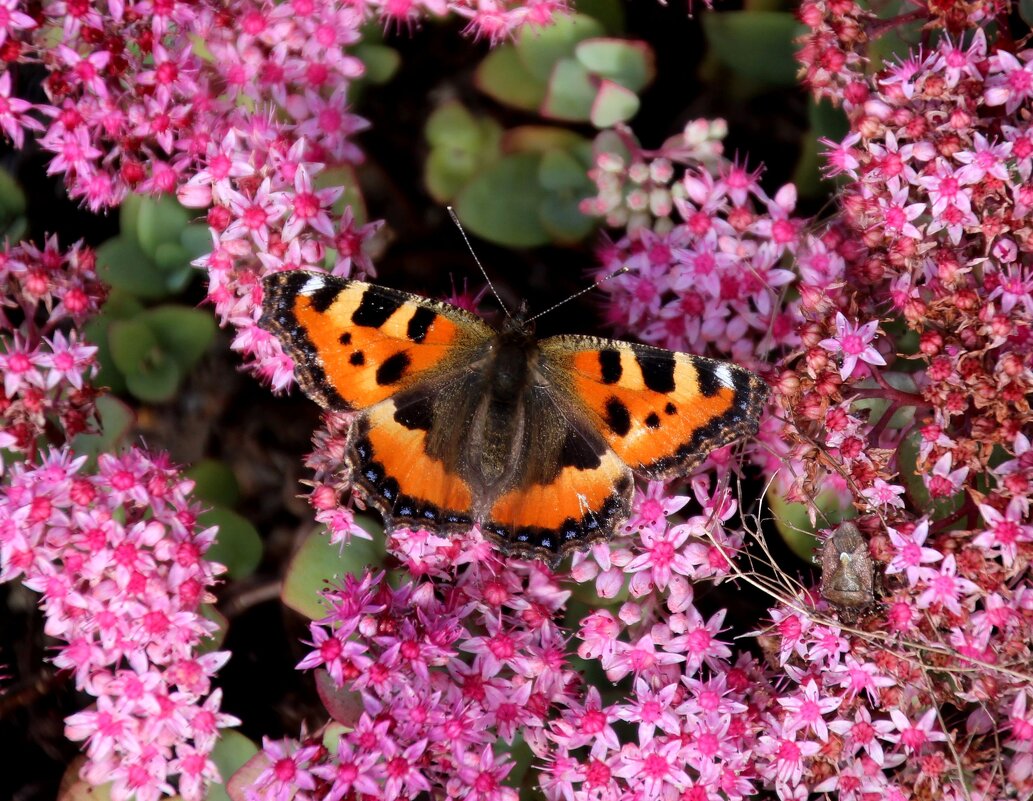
847,571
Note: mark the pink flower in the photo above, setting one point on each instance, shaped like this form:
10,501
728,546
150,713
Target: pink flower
854,342
946,588
658,766
910,555
912,736
1004,532
806,711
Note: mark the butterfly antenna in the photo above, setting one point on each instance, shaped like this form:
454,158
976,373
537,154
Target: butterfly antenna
466,239
578,294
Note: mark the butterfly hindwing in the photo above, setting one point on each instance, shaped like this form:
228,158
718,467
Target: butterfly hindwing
356,344
392,464
661,412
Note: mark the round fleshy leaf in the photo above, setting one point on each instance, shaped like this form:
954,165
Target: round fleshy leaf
543,139
381,61
503,77
344,706
317,564
157,383
561,171
231,752
213,643
134,346
183,332
240,783
613,104
562,218
541,49
237,545
452,125
755,44
571,92
159,222
629,63
502,202
115,421
123,264
214,482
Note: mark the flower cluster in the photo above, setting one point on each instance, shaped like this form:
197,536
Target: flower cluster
46,369
118,560
908,397
441,673
705,276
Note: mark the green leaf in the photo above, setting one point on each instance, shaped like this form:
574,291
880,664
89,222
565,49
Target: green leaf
197,239
502,202
613,104
571,92
96,332
561,216
452,125
503,77
121,263
344,706
1026,11
827,122
907,461
115,420
134,345
559,170
12,198
317,564
156,384
183,332
608,12
447,171
757,45
214,482
381,62
540,49
213,643
237,544
231,752
794,523
543,139
160,221
629,63
120,305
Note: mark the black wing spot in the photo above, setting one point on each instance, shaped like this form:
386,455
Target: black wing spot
670,408
420,323
358,358
578,452
417,414
345,338
657,370
392,369
374,309
708,382
617,417
610,365
653,420
324,297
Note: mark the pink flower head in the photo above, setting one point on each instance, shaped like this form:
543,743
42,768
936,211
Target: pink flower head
854,342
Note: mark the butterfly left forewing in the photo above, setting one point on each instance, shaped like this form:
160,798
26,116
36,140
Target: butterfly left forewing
661,412
356,344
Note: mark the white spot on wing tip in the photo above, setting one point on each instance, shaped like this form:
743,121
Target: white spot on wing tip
312,285
724,375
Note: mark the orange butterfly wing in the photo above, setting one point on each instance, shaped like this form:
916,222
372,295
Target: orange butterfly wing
355,344
660,411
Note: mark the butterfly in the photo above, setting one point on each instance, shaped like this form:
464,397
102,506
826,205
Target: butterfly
535,441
